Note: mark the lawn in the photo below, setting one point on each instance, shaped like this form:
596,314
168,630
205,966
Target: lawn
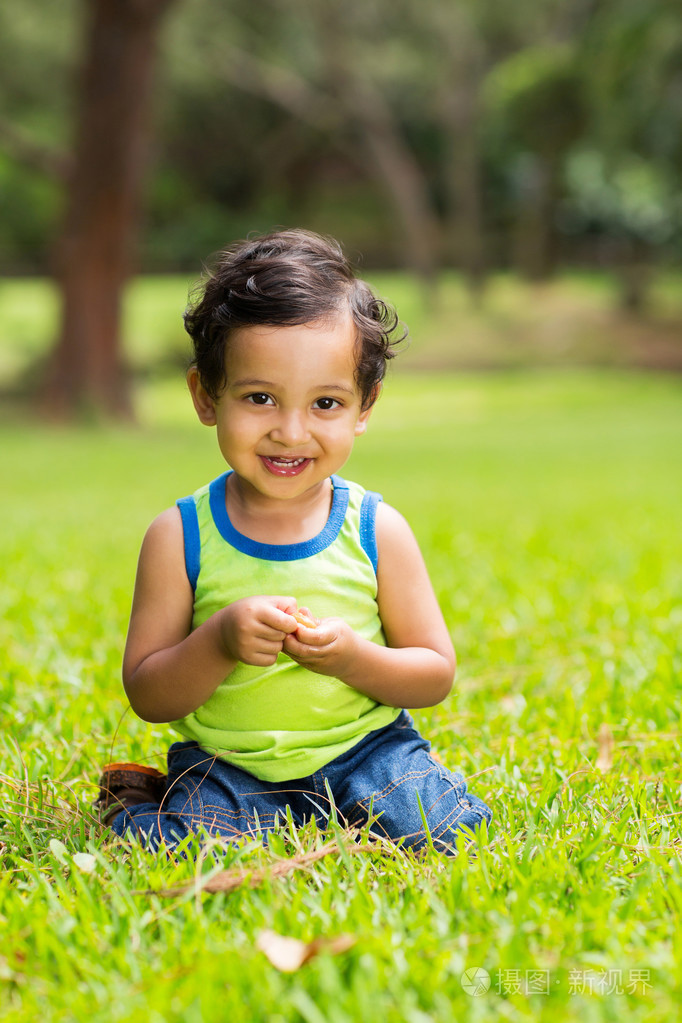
548,507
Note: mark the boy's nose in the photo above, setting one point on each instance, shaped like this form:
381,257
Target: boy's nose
291,429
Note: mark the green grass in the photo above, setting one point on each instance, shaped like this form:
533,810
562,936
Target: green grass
548,508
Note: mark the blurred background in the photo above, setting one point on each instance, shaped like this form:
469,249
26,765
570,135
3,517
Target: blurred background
507,174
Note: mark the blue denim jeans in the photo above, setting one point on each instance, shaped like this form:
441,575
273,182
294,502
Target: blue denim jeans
385,776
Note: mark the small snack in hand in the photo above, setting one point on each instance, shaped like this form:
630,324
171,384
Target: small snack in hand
304,619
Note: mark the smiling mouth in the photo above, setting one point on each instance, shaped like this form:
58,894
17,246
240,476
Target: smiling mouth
280,466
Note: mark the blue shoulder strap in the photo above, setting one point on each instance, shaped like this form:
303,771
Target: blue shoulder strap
368,538
190,529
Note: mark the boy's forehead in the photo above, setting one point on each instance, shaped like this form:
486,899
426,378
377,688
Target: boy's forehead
325,345
339,324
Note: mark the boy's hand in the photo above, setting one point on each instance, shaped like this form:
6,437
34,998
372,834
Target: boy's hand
327,649
253,629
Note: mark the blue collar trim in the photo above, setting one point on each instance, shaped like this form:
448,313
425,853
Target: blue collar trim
273,551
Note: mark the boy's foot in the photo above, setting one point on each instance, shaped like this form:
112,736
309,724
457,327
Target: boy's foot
124,785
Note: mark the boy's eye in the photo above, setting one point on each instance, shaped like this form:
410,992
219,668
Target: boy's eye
326,404
259,399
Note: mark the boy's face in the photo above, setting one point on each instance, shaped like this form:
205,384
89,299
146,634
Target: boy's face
291,408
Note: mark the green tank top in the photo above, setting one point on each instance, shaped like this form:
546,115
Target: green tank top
284,721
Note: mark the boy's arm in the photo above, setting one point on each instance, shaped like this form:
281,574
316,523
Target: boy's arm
417,667
168,670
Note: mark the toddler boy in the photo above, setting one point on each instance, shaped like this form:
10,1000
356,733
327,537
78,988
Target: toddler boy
282,616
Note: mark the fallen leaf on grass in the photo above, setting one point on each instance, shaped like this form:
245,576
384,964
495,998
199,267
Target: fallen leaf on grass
289,954
228,880
85,862
58,850
605,743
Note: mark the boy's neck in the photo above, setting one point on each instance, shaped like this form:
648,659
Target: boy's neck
269,520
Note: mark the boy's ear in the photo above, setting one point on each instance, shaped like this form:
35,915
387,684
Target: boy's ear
363,418
203,403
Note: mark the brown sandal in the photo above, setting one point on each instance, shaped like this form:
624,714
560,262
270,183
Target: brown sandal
124,785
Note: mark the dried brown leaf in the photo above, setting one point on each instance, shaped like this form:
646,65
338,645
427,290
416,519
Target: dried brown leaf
228,880
605,745
289,954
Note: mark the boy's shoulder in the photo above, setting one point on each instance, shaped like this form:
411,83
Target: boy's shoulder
163,541
166,523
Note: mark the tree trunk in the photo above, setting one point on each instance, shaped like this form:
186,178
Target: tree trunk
534,240
93,256
397,170
464,218
634,274
389,155
458,106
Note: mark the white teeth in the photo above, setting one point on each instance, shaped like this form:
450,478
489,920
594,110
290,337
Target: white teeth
288,461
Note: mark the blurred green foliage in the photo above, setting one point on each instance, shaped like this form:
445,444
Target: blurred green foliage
560,122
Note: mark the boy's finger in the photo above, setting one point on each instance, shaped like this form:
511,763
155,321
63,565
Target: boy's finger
283,621
325,632
299,651
307,635
307,642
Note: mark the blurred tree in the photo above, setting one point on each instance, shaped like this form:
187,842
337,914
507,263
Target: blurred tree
631,206
93,254
424,134
624,180
536,97
327,75
445,56
459,113
34,111
353,75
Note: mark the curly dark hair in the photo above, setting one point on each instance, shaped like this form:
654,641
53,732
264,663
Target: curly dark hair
286,278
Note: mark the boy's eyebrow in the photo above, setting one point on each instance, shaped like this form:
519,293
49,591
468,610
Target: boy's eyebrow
251,383
269,385
336,387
